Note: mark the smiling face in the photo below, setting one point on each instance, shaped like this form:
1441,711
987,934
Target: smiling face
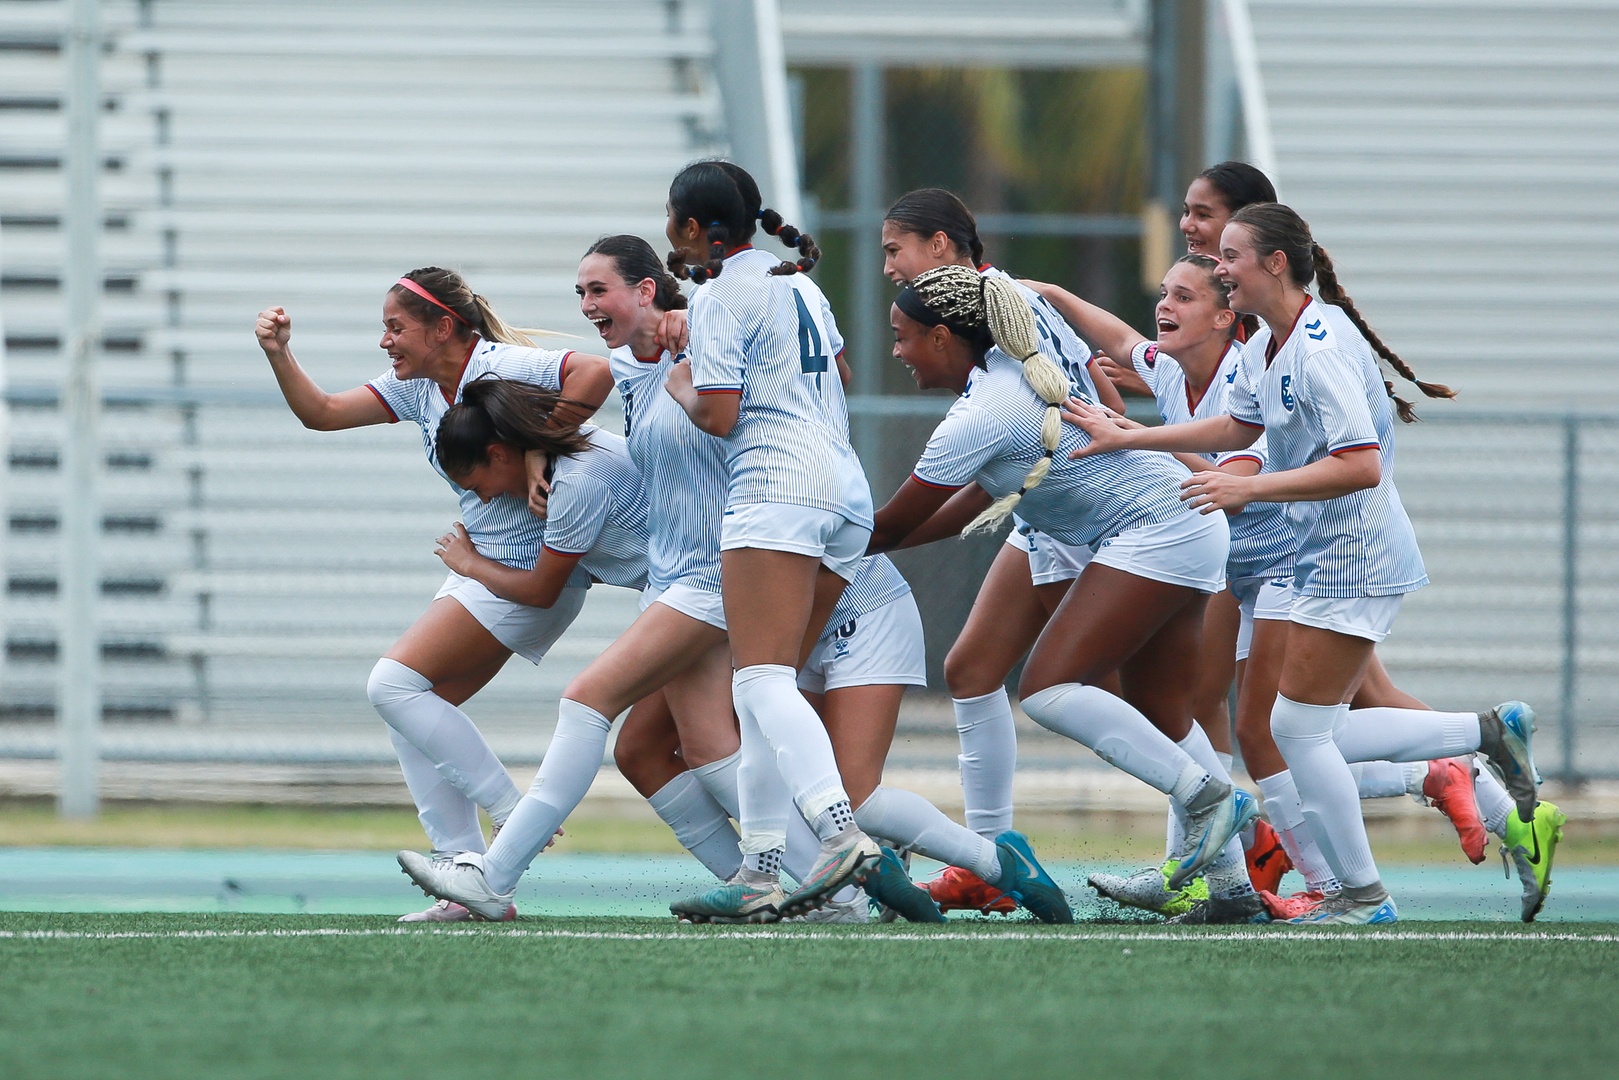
1251,282
905,254
1203,218
410,345
615,309
503,474
1190,311
936,358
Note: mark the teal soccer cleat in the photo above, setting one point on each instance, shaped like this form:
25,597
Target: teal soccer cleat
1026,881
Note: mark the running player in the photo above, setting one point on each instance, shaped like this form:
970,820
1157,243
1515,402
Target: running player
1318,396
924,229
1137,607
439,336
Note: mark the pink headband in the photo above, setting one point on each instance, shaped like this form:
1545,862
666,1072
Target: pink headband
431,299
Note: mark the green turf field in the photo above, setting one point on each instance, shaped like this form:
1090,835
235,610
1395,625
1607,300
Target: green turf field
274,996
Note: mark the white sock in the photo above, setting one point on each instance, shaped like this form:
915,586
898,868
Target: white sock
1174,831
1287,818
1226,760
700,824
1119,734
1493,801
569,768
720,779
442,732
1331,804
763,804
449,818
908,820
803,750
1380,779
1228,873
988,760
1385,734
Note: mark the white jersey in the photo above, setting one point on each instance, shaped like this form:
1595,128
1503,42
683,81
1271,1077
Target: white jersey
1058,342
877,583
1262,540
502,529
772,338
598,509
683,469
992,435
1323,394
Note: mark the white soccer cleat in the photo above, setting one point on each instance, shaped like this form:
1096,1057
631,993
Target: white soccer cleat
460,881
857,910
1340,910
448,911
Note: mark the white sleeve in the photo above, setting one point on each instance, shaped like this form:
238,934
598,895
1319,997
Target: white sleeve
1241,401
716,349
963,443
1144,358
576,511
397,396
541,367
1334,390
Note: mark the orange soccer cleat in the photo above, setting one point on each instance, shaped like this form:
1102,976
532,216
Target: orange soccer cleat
1267,860
962,890
1282,908
1449,787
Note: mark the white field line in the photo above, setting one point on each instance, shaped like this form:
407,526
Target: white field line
779,935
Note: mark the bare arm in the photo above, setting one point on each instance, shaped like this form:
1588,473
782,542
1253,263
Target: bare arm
1106,392
1101,328
314,407
539,587
912,506
715,412
1329,478
586,382
1108,433
951,518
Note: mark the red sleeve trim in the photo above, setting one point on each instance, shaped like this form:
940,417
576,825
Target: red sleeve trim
939,487
565,554
721,390
393,417
1243,457
1247,423
1356,446
562,370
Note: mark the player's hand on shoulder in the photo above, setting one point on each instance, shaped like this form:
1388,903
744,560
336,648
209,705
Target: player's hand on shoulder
539,488
274,329
1103,425
1207,492
456,549
672,331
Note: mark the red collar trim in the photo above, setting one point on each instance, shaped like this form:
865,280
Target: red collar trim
1276,343
449,399
985,267
733,251
646,359
1187,386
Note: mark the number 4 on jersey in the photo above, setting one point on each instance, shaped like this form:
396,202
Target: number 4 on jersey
812,358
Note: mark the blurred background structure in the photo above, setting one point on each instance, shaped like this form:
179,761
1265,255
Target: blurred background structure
1457,157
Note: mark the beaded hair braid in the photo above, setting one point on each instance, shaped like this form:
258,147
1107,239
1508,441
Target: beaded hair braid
961,295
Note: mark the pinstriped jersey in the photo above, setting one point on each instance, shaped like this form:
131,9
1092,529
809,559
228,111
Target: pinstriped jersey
876,583
683,469
598,509
1323,394
992,435
773,339
1262,541
502,529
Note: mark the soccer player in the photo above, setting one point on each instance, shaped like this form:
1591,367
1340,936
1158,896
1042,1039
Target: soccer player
924,229
1318,396
797,515
440,336
1137,607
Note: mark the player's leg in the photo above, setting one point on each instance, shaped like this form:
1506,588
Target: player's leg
1216,668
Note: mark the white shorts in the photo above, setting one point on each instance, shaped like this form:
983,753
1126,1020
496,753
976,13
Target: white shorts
1369,617
839,543
1260,597
695,603
882,647
1050,561
527,631
1190,550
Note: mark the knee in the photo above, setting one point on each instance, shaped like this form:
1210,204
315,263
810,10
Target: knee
966,676
392,683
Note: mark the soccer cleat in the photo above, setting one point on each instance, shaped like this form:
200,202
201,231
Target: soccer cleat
962,890
748,897
1216,814
1267,859
1504,734
856,911
1225,911
449,911
1283,908
850,855
1145,889
459,880
1340,910
1449,788
1026,881
889,884
1529,848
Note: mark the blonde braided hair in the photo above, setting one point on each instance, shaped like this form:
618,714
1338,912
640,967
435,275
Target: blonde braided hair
970,300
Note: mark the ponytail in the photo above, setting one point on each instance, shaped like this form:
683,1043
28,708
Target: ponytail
809,253
494,410
723,194
448,294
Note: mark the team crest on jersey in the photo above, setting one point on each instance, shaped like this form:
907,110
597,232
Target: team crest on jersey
1287,392
1150,356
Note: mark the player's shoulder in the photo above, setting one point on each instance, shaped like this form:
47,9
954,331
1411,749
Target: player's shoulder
626,367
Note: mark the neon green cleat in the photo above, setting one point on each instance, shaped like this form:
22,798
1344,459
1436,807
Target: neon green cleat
1148,890
1529,848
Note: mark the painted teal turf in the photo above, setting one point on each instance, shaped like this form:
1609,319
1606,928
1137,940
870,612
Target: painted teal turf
369,883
